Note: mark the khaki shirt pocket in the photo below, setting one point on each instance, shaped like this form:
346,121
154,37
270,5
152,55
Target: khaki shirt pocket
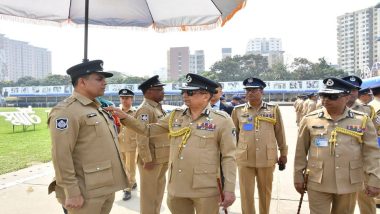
205,176
161,150
271,152
356,171
316,171
241,151
95,124
204,139
98,175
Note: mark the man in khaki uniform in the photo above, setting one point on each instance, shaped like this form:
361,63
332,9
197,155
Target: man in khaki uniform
335,145
305,106
366,204
312,105
85,151
127,142
365,95
198,135
153,152
299,107
260,133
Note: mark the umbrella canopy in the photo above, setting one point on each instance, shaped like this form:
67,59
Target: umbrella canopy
162,15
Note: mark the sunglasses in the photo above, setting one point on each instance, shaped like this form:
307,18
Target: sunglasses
192,92
331,96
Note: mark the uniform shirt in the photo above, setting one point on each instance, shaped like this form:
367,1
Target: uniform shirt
193,172
127,137
312,106
337,169
258,139
155,148
305,106
84,149
375,103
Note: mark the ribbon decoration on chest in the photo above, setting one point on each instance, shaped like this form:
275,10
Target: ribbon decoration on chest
185,131
267,119
357,135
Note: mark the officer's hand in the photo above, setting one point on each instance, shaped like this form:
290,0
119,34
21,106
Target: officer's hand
75,202
149,165
283,159
299,187
116,111
229,198
372,191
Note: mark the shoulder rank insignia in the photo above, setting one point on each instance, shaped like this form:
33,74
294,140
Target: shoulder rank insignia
91,115
61,123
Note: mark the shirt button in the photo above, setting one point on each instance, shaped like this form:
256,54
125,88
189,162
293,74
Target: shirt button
257,149
337,167
336,144
257,139
337,156
96,122
181,158
335,124
191,123
97,168
180,170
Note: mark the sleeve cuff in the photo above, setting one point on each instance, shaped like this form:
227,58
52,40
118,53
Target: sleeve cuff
72,191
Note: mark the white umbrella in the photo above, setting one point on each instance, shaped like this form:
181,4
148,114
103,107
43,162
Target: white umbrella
162,15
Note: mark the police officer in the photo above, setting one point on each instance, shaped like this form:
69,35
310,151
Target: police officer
366,204
153,152
198,135
299,107
260,133
375,103
335,145
127,142
365,96
88,168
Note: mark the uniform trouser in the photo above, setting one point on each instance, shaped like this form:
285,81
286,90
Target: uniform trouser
264,177
179,205
130,167
325,203
98,205
152,187
366,204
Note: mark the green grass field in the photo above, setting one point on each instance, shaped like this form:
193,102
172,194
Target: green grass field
22,149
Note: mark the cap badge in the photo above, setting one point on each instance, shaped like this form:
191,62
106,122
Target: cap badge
250,80
352,79
188,78
125,91
329,82
101,65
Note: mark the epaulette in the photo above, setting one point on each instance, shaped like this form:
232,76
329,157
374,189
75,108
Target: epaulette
318,112
219,112
357,112
240,106
271,104
66,102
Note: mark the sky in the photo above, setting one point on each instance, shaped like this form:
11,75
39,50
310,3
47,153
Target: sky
307,29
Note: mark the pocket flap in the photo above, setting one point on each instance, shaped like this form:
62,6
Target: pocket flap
95,167
316,164
205,169
92,122
242,146
202,135
356,164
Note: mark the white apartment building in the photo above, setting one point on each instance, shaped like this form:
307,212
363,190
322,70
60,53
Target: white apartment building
270,48
19,59
197,62
357,41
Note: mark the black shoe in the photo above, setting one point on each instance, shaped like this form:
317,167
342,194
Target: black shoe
378,206
134,187
127,195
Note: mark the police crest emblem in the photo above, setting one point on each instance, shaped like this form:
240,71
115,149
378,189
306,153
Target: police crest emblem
144,117
61,123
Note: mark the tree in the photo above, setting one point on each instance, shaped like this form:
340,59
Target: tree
27,81
56,79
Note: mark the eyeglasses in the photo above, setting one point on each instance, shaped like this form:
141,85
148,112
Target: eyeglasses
331,96
192,92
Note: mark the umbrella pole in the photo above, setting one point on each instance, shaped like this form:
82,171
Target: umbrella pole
85,59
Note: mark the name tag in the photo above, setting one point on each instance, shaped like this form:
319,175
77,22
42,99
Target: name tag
248,127
321,142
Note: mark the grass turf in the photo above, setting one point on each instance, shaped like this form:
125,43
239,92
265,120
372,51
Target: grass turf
21,149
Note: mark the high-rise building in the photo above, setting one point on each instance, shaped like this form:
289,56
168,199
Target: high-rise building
226,52
19,59
178,62
358,47
197,62
270,48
